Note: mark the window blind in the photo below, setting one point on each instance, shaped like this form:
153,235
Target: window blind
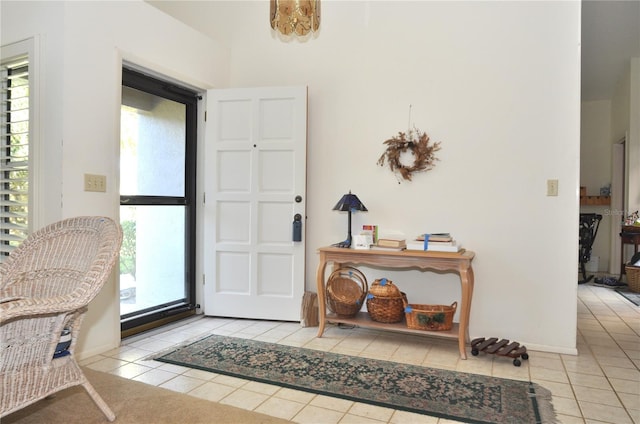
14,154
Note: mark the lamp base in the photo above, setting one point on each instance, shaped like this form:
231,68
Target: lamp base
344,244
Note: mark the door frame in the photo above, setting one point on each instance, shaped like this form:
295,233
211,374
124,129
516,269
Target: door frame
147,319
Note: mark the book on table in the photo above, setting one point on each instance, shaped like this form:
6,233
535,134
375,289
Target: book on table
389,242
442,242
441,237
388,248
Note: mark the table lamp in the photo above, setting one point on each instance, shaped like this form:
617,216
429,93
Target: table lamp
349,202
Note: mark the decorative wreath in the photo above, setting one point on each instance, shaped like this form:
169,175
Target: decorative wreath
422,149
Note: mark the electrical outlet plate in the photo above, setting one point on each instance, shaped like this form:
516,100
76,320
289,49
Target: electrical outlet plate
94,182
552,187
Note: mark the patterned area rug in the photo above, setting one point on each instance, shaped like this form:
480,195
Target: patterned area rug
447,394
629,295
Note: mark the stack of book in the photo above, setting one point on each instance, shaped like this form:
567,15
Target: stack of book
435,242
390,244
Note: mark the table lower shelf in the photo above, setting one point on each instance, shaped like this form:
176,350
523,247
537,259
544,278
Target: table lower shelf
363,319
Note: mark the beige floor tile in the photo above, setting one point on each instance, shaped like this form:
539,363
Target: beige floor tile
626,386
604,413
566,406
202,375
153,345
546,374
230,381
315,415
244,399
264,388
621,373
590,394
559,389
176,369
504,368
472,365
404,417
295,395
130,370
182,384
154,377
335,404
615,361
374,412
588,380
568,419
544,361
635,414
630,401
131,354
588,366
212,391
106,364
357,419
281,408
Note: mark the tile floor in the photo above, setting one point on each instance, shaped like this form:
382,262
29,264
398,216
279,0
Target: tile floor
599,385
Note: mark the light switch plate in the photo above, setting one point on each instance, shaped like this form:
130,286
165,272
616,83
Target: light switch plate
94,182
552,187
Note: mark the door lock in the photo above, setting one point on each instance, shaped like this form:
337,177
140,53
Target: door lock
297,227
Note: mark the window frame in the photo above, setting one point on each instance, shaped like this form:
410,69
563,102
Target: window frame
29,49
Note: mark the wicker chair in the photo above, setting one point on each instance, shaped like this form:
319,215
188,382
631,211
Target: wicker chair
45,286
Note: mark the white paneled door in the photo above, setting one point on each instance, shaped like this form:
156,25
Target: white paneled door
255,172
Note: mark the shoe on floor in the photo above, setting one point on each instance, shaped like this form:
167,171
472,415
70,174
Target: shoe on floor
608,282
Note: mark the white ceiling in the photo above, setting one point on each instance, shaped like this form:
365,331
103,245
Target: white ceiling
610,37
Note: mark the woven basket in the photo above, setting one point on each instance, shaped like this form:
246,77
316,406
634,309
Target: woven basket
633,278
430,317
384,288
386,309
346,290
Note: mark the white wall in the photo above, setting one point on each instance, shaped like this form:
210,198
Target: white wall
484,78
497,83
82,47
625,120
595,171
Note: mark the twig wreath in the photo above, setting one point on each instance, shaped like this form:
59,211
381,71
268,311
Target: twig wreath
417,142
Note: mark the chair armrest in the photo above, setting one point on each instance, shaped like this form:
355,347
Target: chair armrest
18,307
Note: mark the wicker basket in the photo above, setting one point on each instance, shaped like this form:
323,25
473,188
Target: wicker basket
386,309
430,317
633,278
384,288
346,290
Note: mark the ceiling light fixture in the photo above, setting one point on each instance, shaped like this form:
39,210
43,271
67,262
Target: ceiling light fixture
295,16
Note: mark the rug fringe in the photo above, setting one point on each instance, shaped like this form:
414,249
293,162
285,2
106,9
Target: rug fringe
543,402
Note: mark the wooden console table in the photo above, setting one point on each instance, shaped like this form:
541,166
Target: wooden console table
629,235
459,263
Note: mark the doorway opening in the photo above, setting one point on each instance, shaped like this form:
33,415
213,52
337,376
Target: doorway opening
157,194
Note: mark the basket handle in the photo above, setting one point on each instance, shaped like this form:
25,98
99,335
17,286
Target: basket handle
351,272
454,305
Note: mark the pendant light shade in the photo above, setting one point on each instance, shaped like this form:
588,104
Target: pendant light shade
295,16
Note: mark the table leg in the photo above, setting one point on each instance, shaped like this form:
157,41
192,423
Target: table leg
466,281
322,307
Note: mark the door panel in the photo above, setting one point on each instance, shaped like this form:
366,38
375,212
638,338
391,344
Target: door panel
257,140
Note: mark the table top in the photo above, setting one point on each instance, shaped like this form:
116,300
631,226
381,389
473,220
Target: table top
631,229
463,254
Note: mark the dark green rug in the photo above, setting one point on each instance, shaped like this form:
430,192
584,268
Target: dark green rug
447,394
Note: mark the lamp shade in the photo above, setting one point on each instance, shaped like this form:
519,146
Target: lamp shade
349,202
